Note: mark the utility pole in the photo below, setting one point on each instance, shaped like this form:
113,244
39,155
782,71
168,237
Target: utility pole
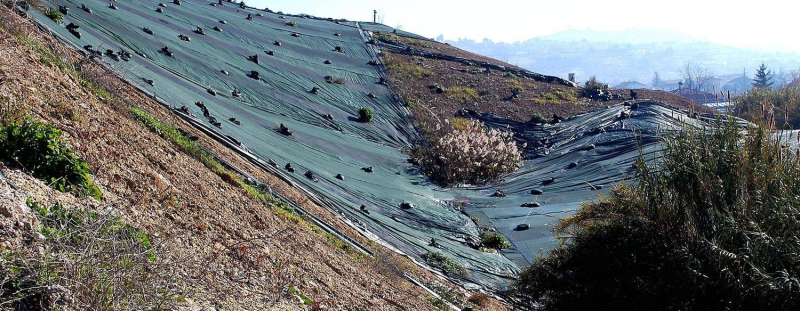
375,16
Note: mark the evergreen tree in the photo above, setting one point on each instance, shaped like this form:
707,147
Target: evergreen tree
656,80
763,77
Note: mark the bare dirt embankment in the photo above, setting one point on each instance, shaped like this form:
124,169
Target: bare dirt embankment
438,88
231,250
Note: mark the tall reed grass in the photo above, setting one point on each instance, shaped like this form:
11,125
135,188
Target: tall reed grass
713,224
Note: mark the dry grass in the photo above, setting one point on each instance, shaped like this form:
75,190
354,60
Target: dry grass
462,94
89,260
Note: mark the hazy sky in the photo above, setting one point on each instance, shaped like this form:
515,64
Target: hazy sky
764,24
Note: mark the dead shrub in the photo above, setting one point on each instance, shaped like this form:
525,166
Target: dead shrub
86,260
470,154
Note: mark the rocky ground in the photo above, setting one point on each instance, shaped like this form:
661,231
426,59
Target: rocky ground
234,252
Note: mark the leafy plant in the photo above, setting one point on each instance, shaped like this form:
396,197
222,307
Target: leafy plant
538,118
437,303
55,15
296,292
711,225
37,148
447,264
365,115
494,240
592,87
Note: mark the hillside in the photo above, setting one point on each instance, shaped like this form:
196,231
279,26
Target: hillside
267,154
451,79
225,248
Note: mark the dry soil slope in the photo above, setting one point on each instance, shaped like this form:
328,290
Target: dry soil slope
136,168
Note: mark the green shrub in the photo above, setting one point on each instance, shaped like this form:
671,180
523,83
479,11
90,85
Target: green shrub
37,148
365,115
494,240
437,303
55,16
447,264
593,87
711,225
538,118
594,84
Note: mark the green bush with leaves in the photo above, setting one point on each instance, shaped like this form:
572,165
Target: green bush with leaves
447,264
494,240
711,225
56,16
592,87
538,118
365,115
37,148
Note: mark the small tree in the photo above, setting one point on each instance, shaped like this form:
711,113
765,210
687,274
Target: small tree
763,77
696,76
656,80
365,115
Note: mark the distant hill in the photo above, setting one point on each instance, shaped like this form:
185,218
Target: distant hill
632,36
616,57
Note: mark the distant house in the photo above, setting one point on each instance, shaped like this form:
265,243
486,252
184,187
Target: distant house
738,85
630,85
695,95
667,85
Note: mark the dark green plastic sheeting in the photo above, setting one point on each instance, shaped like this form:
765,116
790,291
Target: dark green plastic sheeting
327,139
